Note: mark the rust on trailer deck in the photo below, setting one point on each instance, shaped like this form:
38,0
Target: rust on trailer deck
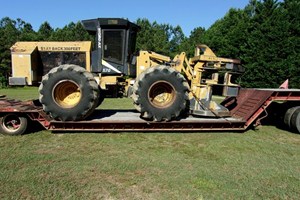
12,105
31,108
118,120
129,120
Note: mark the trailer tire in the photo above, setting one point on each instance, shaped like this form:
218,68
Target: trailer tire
12,124
295,120
160,93
69,93
288,116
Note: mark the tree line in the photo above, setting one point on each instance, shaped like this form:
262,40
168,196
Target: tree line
265,35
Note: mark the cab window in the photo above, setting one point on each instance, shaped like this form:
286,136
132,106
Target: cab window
113,45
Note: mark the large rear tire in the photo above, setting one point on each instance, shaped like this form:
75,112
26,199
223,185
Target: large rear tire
160,94
69,93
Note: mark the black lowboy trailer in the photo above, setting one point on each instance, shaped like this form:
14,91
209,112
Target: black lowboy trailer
247,109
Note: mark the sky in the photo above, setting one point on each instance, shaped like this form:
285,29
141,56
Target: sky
189,14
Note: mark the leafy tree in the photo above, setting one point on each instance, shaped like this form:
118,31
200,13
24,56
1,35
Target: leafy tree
175,37
228,36
71,32
45,31
265,36
161,38
152,37
27,33
8,35
292,13
266,55
188,44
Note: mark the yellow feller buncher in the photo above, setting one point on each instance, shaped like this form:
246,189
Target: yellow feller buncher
74,77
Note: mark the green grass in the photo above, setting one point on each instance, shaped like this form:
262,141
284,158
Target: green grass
21,93
262,164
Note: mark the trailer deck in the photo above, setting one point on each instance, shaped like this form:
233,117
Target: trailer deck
249,107
118,120
129,120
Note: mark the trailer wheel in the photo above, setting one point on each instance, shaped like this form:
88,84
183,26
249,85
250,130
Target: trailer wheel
69,93
295,120
288,116
160,93
12,124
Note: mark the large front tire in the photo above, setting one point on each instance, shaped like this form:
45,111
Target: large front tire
69,93
160,94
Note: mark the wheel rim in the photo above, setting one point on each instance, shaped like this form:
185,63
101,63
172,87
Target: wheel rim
66,94
161,94
11,123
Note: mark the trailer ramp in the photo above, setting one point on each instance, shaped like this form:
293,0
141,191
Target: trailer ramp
251,103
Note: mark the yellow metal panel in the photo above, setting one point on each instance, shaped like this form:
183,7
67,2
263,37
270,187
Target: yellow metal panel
88,61
65,46
148,59
23,47
22,66
28,47
108,80
25,58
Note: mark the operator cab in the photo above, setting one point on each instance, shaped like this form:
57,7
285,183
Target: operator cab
115,40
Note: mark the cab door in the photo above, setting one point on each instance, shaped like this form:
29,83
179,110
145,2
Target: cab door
113,51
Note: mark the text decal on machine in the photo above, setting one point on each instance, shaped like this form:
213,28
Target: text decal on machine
59,48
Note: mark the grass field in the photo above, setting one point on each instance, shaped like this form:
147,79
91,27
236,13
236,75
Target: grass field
261,164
